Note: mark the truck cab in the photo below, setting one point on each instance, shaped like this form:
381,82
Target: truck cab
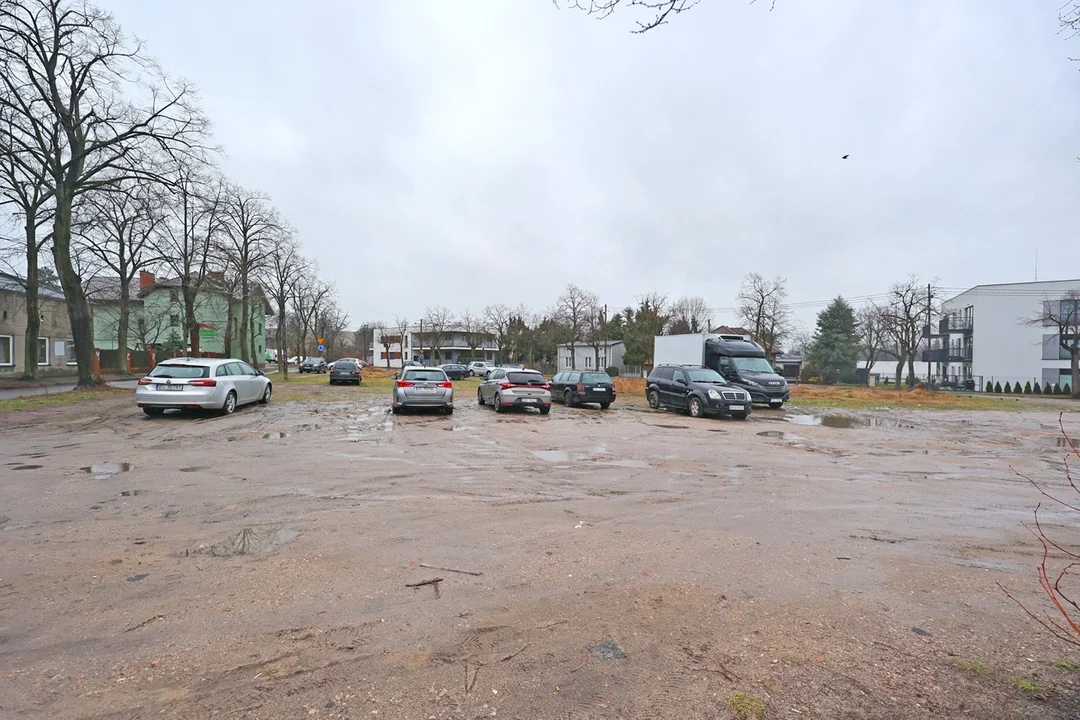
742,362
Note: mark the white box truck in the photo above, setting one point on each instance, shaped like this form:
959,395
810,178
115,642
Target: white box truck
740,360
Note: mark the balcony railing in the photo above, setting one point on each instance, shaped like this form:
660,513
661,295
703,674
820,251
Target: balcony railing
955,323
949,354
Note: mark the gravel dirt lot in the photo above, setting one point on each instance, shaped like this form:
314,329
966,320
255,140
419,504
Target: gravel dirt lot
628,563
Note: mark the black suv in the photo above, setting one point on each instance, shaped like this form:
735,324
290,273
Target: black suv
578,387
313,365
697,390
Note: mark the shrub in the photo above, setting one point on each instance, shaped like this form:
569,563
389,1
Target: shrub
1008,389
1066,389
997,387
612,371
1017,389
1027,388
1035,389
989,386
1057,389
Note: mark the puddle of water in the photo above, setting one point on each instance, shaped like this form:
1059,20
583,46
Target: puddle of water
26,467
460,428
130,493
671,427
107,469
552,455
1060,441
771,433
193,468
246,542
280,435
845,421
137,578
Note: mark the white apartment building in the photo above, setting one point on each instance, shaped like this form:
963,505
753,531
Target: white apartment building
454,345
986,334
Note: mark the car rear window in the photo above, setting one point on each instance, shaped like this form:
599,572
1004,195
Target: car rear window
344,365
424,375
184,372
525,378
595,378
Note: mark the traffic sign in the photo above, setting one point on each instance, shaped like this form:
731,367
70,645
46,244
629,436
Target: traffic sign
321,348
318,340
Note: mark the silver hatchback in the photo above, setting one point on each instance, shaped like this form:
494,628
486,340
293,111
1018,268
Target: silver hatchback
201,384
509,388
423,387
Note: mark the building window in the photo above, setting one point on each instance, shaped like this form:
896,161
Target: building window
588,361
174,321
69,352
7,352
174,296
43,351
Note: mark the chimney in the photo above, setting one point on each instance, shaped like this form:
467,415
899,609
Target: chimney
146,279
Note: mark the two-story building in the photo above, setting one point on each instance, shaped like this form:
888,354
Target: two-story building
56,351
389,348
590,356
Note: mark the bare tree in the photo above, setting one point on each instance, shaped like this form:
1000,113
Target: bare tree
764,310
660,10
25,190
401,324
439,320
873,333
498,318
119,225
250,225
191,234
904,317
1063,316
690,315
574,309
308,295
66,64
329,323
284,269
474,327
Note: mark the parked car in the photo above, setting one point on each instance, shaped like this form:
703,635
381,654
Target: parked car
576,387
345,371
697,390
454,371
511,366
411,363
507,389
421,387
480,368
313,365
201,384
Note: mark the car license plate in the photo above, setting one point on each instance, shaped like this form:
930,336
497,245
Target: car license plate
170,387
599,389
736,407
425,390
775,402
528,399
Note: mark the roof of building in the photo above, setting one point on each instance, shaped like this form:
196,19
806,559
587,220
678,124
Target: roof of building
211,283
1029,288
726,330
106,288
589,343
16,284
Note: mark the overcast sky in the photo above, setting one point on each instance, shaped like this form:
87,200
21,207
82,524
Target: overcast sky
476,151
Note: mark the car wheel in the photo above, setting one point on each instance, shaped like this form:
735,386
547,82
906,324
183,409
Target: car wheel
449,410
266,394
568,399
740,415
498,403
545,410
654,399
695,407
229,407
605,406
154,412
395,409
479,397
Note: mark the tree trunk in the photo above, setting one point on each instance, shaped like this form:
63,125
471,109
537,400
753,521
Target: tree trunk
899,371
82,331
33,310
255,359
911,368
282,346
244,312
573,356
229,326
1076,373
122,329
191,322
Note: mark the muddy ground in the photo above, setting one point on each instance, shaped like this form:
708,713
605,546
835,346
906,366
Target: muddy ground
635,564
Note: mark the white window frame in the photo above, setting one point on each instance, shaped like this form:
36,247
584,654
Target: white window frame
69,344
11,350
588,362
48,355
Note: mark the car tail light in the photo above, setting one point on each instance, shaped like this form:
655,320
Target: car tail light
580,388
146,381
203,383
506,386
446,384
404,383
547,387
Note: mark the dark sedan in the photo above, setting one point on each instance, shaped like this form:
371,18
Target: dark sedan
345,371
455,372
576,387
